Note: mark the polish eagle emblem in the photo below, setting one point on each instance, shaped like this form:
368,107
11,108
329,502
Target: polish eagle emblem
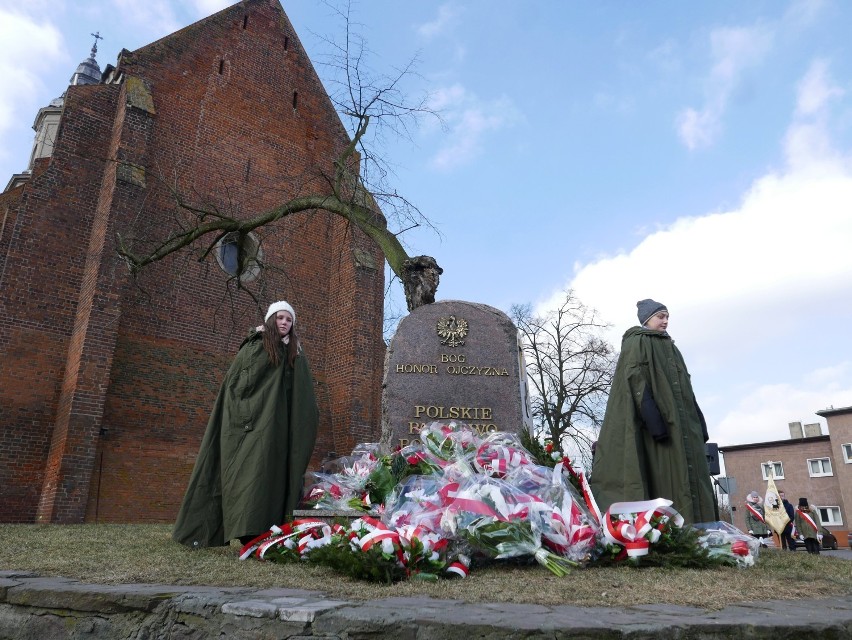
452,331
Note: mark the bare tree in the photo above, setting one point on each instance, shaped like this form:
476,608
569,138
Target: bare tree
356,187
570,366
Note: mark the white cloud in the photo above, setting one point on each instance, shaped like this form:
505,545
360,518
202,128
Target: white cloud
807,145
155,18
698,128
803,13
734,279
764,413
667,56
747,261
733,51
447,97
445,20
816,89
736,49
209,7
470,121
30,47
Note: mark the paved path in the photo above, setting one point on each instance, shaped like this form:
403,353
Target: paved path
56,608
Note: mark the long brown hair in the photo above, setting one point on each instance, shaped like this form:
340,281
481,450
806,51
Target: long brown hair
273,344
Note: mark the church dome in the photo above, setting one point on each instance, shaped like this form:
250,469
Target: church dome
88,71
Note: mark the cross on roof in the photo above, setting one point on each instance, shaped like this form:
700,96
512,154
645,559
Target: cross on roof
98,36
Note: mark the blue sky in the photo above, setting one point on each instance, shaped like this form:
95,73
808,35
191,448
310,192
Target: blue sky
696,153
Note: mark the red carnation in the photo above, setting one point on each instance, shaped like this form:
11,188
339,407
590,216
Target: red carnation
740,548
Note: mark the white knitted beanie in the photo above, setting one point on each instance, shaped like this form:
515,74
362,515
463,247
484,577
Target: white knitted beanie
281,305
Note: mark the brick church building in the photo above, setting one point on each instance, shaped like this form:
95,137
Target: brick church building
106,380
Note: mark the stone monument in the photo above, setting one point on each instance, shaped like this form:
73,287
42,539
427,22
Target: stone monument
453,360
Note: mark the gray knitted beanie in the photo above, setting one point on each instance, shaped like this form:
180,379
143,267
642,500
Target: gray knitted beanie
647,308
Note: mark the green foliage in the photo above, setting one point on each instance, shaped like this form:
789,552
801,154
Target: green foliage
677,548
392,470
546,454
536,448
372,565
280,554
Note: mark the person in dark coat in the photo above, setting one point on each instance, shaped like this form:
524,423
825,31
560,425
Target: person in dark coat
808,524
651,444
249,471
787,534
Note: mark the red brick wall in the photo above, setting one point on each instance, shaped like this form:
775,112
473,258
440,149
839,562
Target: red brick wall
40,287
140,362
840,428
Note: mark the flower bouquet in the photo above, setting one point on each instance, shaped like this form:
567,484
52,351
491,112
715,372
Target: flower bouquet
354,471
390,470
499,453
567,528
419,500
450,440
454,495
728,544
415,509
327,491
341,485
495,519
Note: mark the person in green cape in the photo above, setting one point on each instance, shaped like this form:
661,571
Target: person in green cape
651,444
259,440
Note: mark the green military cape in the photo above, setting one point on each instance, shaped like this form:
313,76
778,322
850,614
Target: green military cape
629,463
259,440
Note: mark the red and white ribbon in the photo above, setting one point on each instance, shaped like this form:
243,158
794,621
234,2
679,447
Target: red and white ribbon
252,545
459,568
808,519
589,498
630,524
757,514
378,531
497,460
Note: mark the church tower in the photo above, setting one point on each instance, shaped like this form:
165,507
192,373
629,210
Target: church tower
107,381
47,119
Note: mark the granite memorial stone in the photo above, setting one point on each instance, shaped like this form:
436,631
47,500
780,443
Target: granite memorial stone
453,360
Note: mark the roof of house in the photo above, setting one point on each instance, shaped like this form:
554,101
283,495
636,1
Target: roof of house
831,411
774,443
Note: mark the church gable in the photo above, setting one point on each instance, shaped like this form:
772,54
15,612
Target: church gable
230,114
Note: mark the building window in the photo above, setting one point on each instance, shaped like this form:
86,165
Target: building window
240,257
830,516
772,470
818,467
847,452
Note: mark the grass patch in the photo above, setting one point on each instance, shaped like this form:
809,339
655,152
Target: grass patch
116,554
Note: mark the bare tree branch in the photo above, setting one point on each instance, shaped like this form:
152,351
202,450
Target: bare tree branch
570,367
357,187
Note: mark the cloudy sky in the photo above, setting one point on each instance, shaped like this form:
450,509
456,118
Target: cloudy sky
698,154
